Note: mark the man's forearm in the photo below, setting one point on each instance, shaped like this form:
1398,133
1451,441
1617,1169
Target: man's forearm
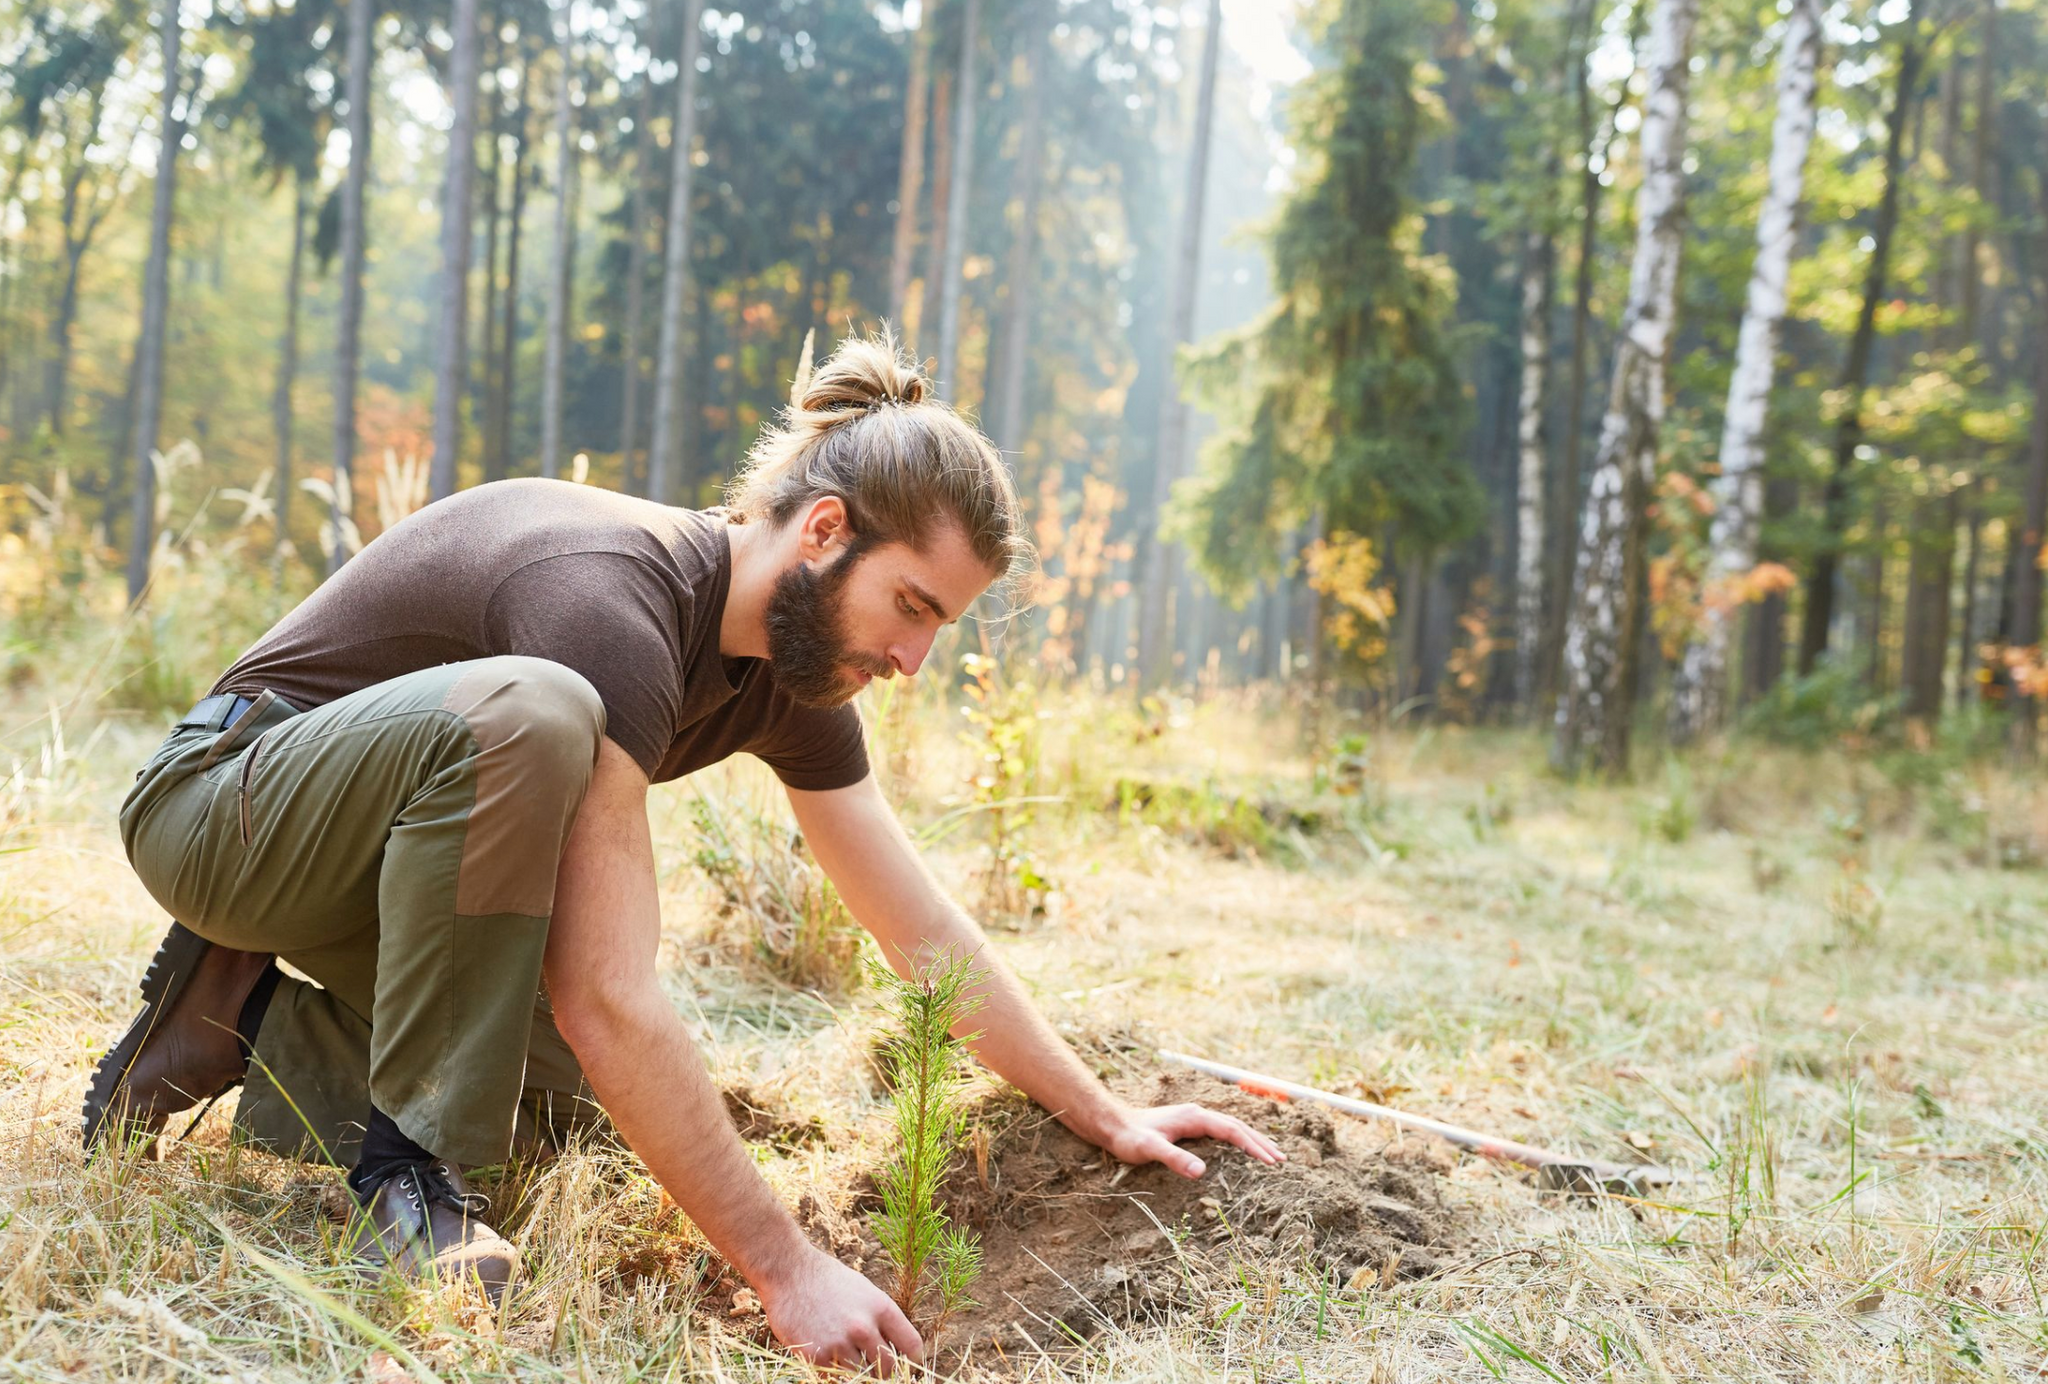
648,1075
1016,1042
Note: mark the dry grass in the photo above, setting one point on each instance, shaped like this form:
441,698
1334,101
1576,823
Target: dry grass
1782,974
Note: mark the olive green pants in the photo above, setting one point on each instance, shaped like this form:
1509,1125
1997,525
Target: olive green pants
399,847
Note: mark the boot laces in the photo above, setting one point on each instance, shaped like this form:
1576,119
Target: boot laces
433,1182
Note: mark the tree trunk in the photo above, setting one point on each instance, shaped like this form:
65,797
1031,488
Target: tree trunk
1006,405
1985,120
76,230
456,205
288,367
562,267
951,282
1966,632
149,347
1699,694
1820,583
1161,557
631,478
1595,708
57,369
1764,660
942,198
1929,580
2033,517
490,185
498,446
1583,276
349,328
1538,259
910,170
663,459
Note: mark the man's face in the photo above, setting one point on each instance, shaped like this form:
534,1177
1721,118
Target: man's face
835,623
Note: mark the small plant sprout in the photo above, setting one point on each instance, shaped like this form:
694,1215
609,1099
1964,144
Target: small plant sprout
936,1262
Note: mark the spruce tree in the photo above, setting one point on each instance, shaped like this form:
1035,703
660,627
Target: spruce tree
1342,412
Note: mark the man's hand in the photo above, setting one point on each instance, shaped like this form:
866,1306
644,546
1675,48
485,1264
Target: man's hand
1151,1136
830,1315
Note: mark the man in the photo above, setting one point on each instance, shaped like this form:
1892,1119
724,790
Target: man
426,789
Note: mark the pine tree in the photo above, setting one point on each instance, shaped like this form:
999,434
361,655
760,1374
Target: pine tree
1342,412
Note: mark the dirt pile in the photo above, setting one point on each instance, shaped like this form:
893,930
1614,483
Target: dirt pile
1073,1241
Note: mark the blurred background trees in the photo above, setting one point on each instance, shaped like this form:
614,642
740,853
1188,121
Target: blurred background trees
1298,324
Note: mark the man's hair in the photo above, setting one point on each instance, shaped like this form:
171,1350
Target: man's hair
864,426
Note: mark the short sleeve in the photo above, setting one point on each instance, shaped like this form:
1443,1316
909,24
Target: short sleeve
608,617
812,749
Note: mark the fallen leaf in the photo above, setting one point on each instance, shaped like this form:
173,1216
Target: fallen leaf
382,1369
1639,1141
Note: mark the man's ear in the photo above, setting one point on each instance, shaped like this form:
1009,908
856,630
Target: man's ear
823,529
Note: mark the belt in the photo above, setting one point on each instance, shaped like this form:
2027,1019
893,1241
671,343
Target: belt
217,712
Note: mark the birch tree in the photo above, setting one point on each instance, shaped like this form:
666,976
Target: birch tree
1596,701
1538,257
662,455
149,347
1699,691
457,205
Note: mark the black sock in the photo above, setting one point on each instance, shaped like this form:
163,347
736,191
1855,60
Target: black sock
250,1021
386,1149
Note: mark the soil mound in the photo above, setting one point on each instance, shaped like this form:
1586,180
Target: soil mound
1073,1241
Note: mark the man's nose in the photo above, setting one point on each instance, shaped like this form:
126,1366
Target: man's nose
908,655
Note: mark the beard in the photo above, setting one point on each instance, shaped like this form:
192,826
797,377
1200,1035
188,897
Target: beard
807,645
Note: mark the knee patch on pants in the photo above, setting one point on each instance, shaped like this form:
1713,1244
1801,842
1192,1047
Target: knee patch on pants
536,726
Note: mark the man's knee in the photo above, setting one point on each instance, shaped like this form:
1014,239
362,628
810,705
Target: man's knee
533,720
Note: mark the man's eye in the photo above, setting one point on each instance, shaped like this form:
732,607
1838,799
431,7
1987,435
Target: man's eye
906,607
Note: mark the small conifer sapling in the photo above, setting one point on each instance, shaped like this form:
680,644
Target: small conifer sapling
936,1262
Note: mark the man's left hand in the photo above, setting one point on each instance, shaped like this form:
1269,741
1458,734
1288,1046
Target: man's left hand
1151,1135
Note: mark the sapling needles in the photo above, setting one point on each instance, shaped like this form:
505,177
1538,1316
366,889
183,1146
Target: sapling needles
935,1261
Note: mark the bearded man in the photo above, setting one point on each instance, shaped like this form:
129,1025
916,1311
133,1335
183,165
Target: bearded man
426,789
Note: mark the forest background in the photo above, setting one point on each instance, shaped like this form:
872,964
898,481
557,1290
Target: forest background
1655,384
1518,360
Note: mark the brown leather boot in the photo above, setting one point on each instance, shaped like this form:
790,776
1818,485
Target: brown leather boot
424,1220
182,1048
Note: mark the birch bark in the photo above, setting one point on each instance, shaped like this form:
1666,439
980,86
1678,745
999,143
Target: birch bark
1537,259
1700,687
1595,704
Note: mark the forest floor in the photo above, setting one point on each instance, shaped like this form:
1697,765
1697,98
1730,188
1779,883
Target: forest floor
1813,983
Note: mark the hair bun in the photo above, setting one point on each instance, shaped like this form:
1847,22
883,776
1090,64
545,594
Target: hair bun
863,374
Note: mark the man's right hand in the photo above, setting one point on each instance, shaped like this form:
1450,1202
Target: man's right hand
830,1315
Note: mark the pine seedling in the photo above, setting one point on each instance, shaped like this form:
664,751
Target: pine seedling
927,1067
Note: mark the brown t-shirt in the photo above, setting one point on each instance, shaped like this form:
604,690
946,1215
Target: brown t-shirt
626,592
